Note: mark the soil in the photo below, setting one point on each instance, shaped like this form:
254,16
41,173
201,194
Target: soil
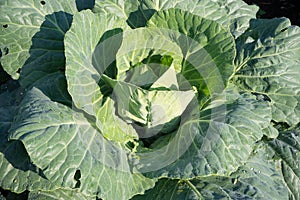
278,8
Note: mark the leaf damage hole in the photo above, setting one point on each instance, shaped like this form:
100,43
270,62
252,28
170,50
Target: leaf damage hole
234,181
5,25
130,145
284,29
43,2
77,177
4,51
261,96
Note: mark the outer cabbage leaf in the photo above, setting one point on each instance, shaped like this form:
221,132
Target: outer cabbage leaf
217,142
119,8
72,152
238,15
212,62
257,179
58,194
287,149
268,63
201,50
32,35
17,172
234,15
204,8
82,73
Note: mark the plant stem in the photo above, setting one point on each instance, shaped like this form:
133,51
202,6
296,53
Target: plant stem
194,189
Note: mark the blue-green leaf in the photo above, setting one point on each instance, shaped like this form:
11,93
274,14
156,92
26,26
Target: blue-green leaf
268,64
57,137
34,39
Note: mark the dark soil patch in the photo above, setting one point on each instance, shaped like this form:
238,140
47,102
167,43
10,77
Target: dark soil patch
278,8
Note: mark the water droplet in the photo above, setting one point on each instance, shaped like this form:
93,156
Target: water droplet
259,172
15,180
251,168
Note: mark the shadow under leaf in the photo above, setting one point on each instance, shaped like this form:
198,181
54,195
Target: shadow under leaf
85,4
47,49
